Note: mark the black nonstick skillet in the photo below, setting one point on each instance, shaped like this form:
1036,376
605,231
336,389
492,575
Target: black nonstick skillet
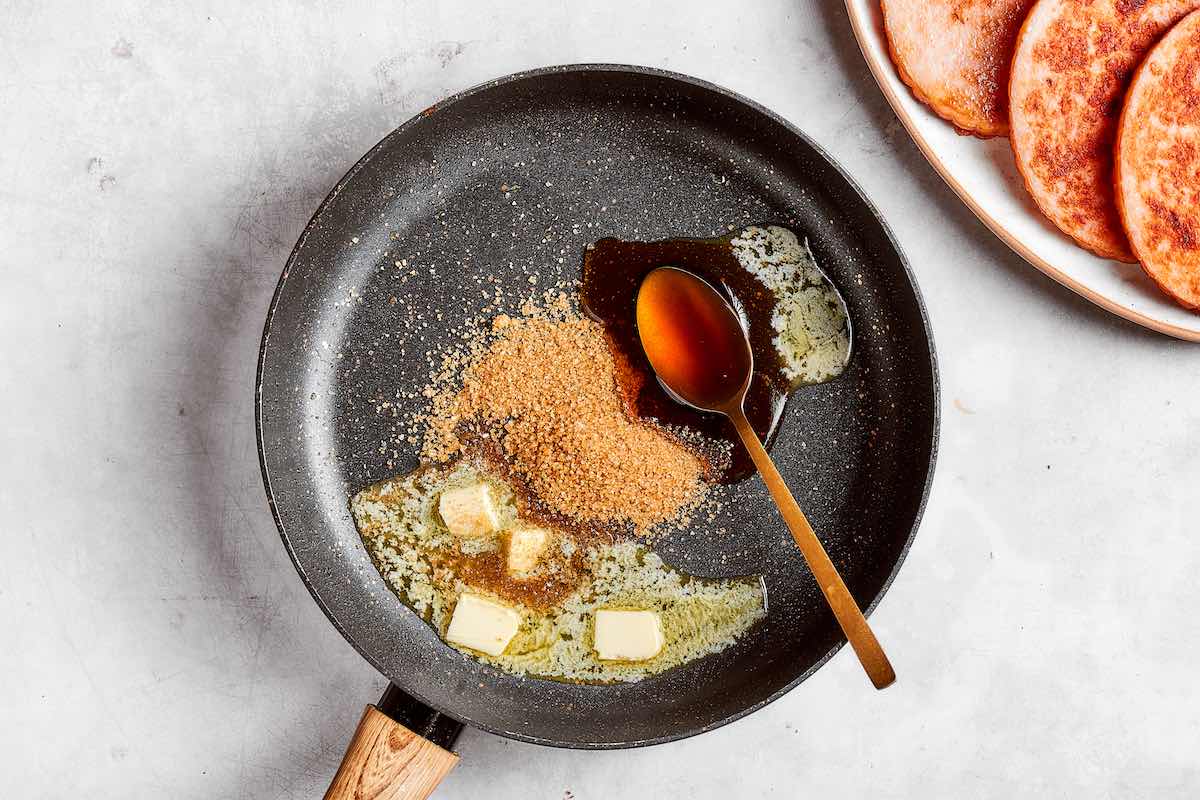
522,171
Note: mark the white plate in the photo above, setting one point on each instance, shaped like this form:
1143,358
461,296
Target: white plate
984,175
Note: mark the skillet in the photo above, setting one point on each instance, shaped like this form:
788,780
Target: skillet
527,170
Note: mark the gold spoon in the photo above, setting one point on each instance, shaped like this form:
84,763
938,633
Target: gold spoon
700,352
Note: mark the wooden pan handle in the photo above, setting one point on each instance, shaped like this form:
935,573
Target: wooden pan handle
387,761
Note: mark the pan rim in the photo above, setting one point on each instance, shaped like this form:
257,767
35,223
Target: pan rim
643,71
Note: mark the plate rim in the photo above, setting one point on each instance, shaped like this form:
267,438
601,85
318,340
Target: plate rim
882,72
645,71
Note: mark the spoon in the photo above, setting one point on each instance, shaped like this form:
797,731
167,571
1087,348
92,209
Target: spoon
701,355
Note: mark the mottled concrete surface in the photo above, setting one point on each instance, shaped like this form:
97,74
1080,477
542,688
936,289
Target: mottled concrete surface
158,162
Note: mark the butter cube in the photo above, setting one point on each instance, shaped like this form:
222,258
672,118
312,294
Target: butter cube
482,624
525,546
468,511
627,635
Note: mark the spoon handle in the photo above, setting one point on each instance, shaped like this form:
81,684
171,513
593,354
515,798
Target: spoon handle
848,614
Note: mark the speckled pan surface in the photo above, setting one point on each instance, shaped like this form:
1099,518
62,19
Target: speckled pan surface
522,173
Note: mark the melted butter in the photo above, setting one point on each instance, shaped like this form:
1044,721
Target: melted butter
428,569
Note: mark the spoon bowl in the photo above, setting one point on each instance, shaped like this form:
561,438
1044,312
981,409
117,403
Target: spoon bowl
694,341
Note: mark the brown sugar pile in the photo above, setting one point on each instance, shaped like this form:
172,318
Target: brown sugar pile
546,389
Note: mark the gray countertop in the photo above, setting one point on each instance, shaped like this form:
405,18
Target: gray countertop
159,161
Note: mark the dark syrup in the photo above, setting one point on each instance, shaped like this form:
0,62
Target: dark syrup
612,273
